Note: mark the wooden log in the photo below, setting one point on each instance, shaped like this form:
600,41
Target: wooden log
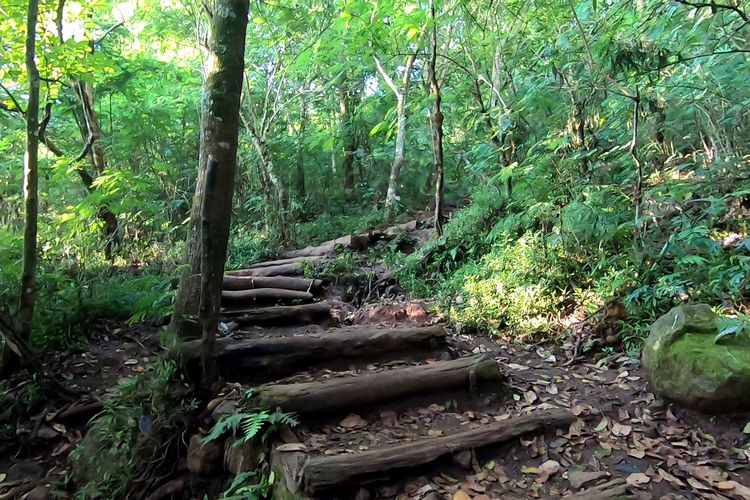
312,260
293,269
285,355
280,314
266,294
353,392
233,283
324,472
324,249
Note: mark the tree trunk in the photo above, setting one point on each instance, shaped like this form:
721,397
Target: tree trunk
347,133
436,126
91,132
398,154
300,163
216,172
220,123
30,182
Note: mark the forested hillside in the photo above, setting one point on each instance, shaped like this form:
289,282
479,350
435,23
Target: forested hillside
544,174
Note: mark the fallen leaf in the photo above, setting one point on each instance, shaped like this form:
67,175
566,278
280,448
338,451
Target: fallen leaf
353,421
621,430
746,430
291,447
602,425
738,489
706,474
461,495
3,475
547,469
529,397
637,479
675,482
529,470
637,453
434,432
518,367
60,428
131,361
579,479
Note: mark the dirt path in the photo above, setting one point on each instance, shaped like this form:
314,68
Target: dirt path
395,404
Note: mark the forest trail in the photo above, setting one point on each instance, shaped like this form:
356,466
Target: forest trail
395,403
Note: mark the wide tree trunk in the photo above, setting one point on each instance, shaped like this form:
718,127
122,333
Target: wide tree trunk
30,181
200,284
436,125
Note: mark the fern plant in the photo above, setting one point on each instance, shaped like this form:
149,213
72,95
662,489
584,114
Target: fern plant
250,425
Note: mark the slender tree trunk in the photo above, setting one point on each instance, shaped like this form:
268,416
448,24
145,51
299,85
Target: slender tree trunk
347,134
436,125
30,181
300,161
199,293
398,154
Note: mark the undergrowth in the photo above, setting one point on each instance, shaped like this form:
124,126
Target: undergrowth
135,439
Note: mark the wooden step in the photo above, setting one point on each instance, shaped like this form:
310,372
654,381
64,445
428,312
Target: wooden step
343,393
236,283
306,313
265,295
259,358
310,475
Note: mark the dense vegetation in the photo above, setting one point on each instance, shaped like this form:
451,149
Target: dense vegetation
595,151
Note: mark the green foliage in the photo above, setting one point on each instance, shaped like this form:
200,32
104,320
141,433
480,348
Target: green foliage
246,486
250,425
140,424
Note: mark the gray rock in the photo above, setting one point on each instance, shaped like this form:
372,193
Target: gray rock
203,459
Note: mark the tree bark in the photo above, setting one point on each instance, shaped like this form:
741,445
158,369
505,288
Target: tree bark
265,294
300,160
234,283
259,357
199,292
347,133
219,136
281,314
343,393
436,126
324,472
401,95
30,182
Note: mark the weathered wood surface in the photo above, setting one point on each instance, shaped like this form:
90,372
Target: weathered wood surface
292,269
354,242
310,259
324,472
287,354
280,314
266,294
367,389
235,283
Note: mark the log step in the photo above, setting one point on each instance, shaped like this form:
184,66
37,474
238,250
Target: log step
236,283
310,259
306,313
256,358
291,269
321,473
343,393
265,294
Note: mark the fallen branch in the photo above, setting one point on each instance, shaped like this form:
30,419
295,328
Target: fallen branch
234,283
281,314
266,294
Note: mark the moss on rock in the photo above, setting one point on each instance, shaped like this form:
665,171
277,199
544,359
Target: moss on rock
686,365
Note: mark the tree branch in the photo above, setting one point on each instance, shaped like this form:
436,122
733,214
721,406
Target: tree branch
18,109
388,80
716,6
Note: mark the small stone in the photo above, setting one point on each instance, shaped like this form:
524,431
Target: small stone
463,458
41,492
203,459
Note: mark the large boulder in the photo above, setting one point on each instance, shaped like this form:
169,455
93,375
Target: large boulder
684,363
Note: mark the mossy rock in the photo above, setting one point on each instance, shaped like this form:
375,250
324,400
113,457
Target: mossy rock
685,364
